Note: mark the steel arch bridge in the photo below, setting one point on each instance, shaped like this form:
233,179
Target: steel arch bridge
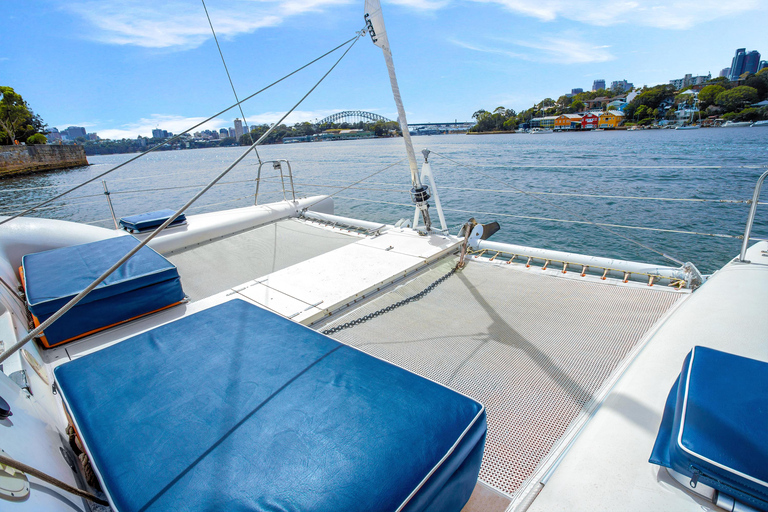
353,116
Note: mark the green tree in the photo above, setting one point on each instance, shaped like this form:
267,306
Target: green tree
37,138
17,121
737,98
245,139
759,83
708,94
578,106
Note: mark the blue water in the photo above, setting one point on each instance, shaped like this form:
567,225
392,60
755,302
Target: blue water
708,164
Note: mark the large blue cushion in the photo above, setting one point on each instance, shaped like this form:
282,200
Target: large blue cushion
150,220
145,283
237,408
715,425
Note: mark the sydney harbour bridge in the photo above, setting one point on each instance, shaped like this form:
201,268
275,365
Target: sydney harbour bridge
353,116
356,116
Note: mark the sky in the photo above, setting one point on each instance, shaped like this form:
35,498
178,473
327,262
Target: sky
123,67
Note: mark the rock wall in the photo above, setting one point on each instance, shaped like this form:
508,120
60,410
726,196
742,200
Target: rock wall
18,159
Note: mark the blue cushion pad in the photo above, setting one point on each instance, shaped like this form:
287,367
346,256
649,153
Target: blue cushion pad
236,408
720,404
150,220
53,277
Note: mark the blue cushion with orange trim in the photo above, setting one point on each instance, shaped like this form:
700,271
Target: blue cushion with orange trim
145,283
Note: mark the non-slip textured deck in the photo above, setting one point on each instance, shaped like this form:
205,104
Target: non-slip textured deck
534,349
212,268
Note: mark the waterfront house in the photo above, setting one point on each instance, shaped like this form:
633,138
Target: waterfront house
568,122
548,122
598,102
589,121
611,119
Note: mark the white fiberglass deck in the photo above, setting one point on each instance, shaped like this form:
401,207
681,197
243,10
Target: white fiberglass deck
222,264
535,348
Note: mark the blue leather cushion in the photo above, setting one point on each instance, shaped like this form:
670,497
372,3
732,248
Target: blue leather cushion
144,283
715,425
150,220
237,408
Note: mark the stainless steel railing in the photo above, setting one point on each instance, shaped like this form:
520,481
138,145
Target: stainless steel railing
278,166
751,217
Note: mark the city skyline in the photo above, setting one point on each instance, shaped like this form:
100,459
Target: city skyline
122,76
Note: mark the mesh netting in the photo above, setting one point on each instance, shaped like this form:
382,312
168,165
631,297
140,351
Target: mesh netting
533,348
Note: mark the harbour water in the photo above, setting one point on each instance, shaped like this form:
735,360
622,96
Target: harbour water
542,189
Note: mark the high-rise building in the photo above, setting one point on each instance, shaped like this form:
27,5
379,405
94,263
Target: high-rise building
74,132
53,135
737,64
763,65
598,84
238,129
726,72
689,79
232,133
93,136
751,62
621,86
577,91
157,133
223,133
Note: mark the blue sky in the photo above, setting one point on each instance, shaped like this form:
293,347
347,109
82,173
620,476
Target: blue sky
122,67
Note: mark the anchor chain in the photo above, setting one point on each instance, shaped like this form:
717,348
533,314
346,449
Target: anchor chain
408,300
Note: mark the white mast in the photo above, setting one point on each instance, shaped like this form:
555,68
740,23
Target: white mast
374,22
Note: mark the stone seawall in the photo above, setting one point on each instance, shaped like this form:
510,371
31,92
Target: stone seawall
19,159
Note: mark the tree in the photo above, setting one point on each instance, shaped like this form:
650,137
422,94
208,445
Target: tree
708,94
578,106
246,140
37,138
737,98
17,121
759,83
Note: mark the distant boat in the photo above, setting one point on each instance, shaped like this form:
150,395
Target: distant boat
541,130
760,123
736,124
688,127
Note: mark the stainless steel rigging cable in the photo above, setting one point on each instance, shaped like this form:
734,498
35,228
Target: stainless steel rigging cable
583,218
228,75
69,305
177,137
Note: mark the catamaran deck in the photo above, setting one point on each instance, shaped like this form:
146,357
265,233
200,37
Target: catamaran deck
539,348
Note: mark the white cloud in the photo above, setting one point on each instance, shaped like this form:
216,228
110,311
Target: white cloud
565,48
183,25
172,123
422,5
672,14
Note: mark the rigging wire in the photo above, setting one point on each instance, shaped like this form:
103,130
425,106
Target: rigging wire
77,298
583,218
239,105
548,219
352,40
